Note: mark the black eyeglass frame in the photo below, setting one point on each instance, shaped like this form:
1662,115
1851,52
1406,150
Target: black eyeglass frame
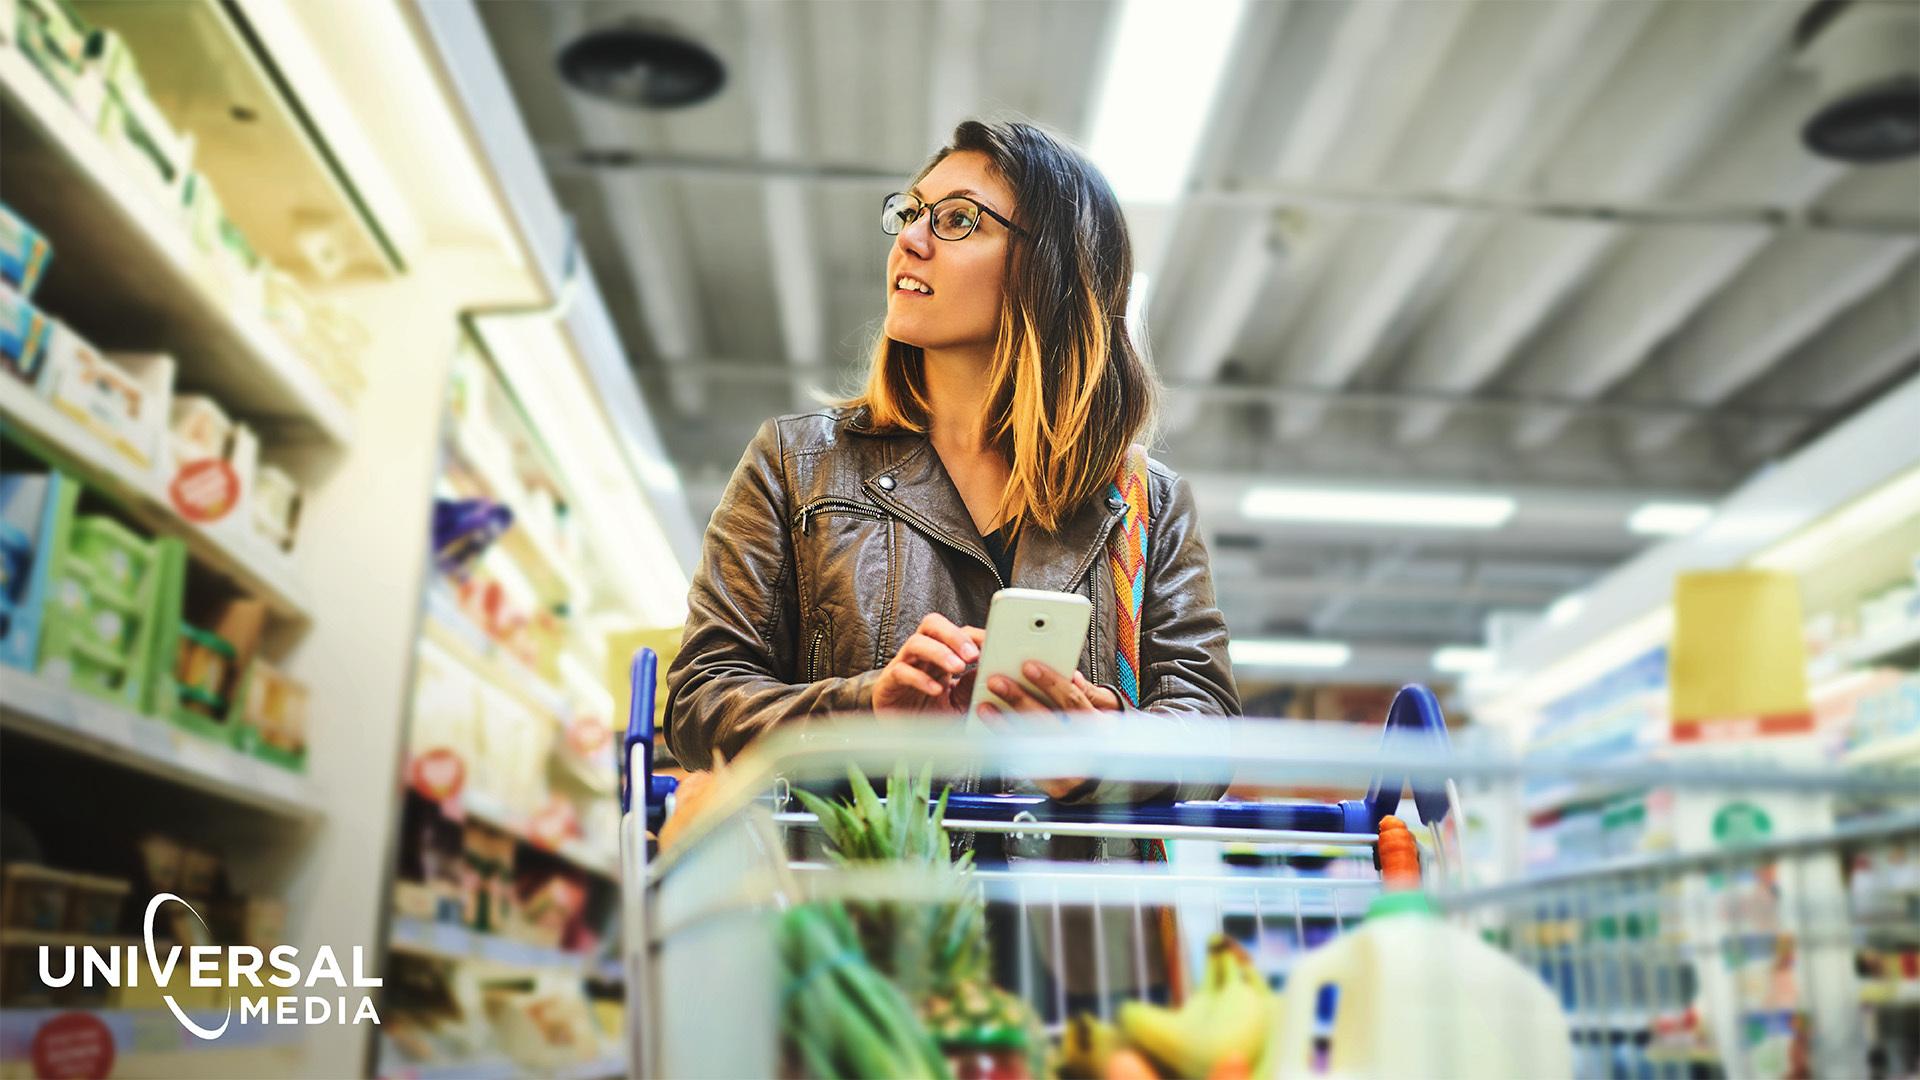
927,207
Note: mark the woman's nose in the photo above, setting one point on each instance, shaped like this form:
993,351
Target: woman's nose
918,236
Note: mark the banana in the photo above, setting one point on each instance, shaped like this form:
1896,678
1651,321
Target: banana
1086,1046
1229,1018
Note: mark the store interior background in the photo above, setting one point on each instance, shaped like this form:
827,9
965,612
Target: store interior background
1479,320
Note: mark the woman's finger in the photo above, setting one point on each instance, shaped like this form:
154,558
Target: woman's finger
991,716
1098,696
941,629
911,676
1066,695
932,655
1016,696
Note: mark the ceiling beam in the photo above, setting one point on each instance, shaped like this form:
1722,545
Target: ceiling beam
1797,287
1693,67
789,219
1223,287
1490,113
1661,277
1859,350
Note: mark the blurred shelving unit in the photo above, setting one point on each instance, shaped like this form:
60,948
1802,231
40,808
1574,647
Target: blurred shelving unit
287,115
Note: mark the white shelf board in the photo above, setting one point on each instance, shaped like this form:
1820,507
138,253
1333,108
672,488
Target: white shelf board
534,552
450,942
142,1031
450,629
126,273
485,808
1901,749
503,1068
231,547
1890,642
35,706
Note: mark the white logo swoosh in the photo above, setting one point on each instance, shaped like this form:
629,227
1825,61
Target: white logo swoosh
153,965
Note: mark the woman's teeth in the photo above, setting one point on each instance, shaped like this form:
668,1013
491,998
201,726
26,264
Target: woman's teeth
914,286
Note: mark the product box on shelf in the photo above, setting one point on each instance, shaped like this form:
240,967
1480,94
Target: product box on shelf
54,38
276,506
233,265
97,635
122,400
132,125
273,725
201,655
34,509
23,335
24,252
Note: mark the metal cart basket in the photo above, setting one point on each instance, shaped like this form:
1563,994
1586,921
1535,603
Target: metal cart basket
1698,917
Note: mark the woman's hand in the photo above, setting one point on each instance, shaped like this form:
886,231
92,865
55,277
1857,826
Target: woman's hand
931,671
1074,695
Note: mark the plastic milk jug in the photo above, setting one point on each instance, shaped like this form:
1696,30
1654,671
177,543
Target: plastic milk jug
1410,995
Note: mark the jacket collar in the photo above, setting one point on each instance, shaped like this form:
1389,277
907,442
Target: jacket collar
917,488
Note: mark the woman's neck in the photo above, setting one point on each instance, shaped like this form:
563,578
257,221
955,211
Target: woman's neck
957,398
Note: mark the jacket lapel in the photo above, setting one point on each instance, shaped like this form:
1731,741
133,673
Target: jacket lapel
915,485
1057,561
918,489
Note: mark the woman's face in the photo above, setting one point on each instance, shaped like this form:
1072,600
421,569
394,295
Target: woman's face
966,276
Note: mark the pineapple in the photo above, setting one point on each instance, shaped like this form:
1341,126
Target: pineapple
935,952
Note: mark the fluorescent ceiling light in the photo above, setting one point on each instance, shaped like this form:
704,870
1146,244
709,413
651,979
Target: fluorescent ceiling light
1349,506
1567,608
1275,652
1161,77
1669,518
1462,659
1864,519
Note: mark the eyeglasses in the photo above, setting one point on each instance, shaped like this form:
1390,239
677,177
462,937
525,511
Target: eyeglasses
954,217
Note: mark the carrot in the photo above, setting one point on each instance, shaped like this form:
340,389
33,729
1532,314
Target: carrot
1231,1067
1130,1065
1399,855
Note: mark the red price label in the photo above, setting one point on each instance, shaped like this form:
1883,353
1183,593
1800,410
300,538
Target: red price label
205,490
73,1046
439,774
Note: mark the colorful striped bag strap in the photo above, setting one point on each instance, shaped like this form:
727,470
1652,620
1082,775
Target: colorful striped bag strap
1127,554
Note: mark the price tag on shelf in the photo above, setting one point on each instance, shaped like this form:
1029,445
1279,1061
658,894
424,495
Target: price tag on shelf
206,758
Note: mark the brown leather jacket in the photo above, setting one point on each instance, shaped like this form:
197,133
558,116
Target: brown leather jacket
834,538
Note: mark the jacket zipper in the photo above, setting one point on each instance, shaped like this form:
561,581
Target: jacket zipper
847,505
813,654
932,530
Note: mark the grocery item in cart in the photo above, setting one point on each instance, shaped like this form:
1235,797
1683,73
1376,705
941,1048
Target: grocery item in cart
1410,995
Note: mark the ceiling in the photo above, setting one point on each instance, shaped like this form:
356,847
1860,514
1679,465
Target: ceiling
1571,252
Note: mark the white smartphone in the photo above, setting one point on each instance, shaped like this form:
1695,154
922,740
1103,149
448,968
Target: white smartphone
1029,624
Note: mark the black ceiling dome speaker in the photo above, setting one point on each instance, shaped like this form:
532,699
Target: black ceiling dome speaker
645,65
1865,55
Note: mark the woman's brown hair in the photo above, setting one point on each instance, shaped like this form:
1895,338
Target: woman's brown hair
1068,390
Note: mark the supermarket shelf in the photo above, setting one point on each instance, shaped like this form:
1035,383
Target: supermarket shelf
501,1068
447,627
231,547
45,710
450,942
1890,991
142,1031
547,571
144,284
1892,644
1897,750
484,808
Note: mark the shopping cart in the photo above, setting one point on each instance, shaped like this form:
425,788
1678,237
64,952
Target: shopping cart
1752,920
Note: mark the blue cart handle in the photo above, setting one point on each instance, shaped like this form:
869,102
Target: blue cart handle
1415,727
646,663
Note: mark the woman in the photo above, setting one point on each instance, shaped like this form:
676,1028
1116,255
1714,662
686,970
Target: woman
850,563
